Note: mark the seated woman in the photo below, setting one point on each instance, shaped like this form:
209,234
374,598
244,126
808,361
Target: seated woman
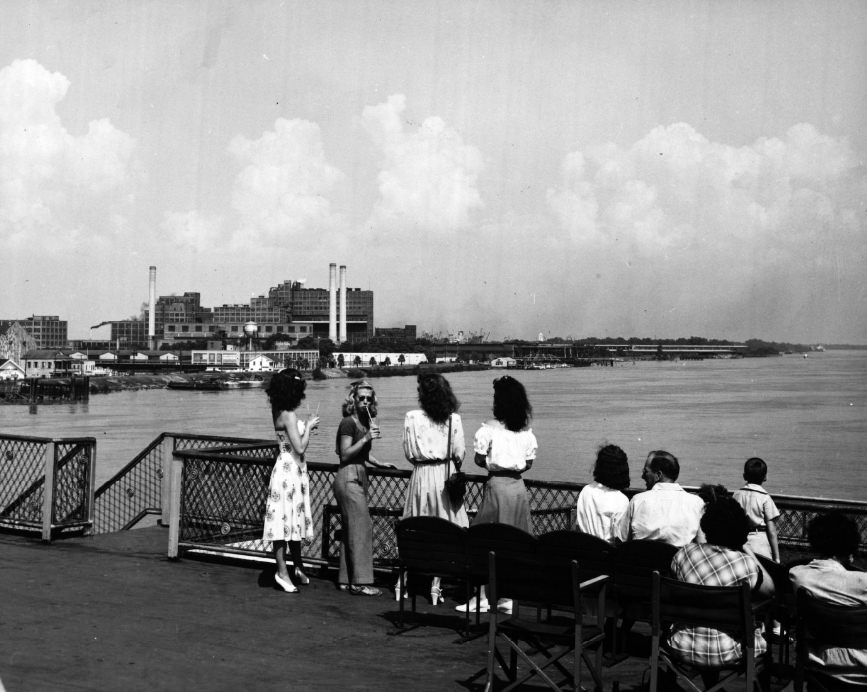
601,504
722,561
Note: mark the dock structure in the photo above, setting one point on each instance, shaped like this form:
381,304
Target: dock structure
110,612
189,603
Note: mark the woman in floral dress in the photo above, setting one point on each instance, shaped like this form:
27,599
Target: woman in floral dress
288,518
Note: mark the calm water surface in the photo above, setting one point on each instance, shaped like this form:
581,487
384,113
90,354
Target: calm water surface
805,417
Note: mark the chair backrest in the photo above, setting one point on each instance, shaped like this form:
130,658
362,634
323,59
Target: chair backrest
557,550
432,545
504,539
635,561
831,624
725,608
516,553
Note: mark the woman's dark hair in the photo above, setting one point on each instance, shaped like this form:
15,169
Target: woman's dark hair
349,404
712,492
612,467
511,406
725,523
436,397
755,470
285,391
833,534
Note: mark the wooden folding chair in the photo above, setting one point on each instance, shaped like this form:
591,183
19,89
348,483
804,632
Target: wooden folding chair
544,577
430,547
726,608
825,624
634,563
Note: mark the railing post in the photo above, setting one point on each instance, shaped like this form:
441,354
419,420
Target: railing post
91,490
50,462
175,507
167,448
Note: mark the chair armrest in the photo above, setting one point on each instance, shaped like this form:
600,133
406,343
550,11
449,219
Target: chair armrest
594,582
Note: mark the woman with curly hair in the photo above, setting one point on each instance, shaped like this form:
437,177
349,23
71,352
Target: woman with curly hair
601,504
355,435
506,447
433,441
287,511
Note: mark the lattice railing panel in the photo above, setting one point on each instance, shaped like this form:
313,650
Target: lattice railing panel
22,481
223,501
130,493
72,482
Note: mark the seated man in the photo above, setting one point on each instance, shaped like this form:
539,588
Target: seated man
665,512
834,536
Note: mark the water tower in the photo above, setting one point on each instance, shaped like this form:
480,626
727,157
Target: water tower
250,329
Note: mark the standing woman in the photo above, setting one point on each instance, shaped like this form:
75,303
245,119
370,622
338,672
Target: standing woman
355,434
287,511
433,440
506,447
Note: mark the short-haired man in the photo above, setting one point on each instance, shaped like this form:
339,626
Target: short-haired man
665,512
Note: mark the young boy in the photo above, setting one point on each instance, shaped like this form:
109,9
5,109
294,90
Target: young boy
760,509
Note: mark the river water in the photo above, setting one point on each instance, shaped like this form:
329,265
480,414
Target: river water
804,416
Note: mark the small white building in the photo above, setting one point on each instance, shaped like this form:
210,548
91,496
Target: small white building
503,362
261,363
379,358
10,370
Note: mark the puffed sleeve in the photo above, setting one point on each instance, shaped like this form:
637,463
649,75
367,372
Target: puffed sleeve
459,446
482,440
407,437
530,445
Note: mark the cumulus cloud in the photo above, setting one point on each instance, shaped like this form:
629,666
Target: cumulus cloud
429,175
747,238
281,193
52,183
192,230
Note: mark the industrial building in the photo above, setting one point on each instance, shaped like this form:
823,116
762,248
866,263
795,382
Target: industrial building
290,309
47,331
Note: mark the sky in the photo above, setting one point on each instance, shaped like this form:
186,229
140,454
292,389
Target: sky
571,168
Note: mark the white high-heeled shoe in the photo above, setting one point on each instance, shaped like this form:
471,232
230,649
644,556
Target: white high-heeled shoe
436,595
484,607
285,584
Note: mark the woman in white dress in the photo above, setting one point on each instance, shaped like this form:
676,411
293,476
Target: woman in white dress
288,518
601,504
433,441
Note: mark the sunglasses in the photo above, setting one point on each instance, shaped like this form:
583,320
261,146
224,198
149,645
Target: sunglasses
364,398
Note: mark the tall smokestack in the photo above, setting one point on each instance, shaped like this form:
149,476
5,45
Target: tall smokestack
341,334
152,307
332,302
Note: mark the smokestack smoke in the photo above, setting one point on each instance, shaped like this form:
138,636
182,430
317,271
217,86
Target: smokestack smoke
332,302
342,335
152,307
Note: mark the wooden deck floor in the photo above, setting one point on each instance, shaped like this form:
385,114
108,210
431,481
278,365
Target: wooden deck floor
112,613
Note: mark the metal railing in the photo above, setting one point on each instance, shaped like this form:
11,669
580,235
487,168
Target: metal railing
140,488
218,502
46,485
